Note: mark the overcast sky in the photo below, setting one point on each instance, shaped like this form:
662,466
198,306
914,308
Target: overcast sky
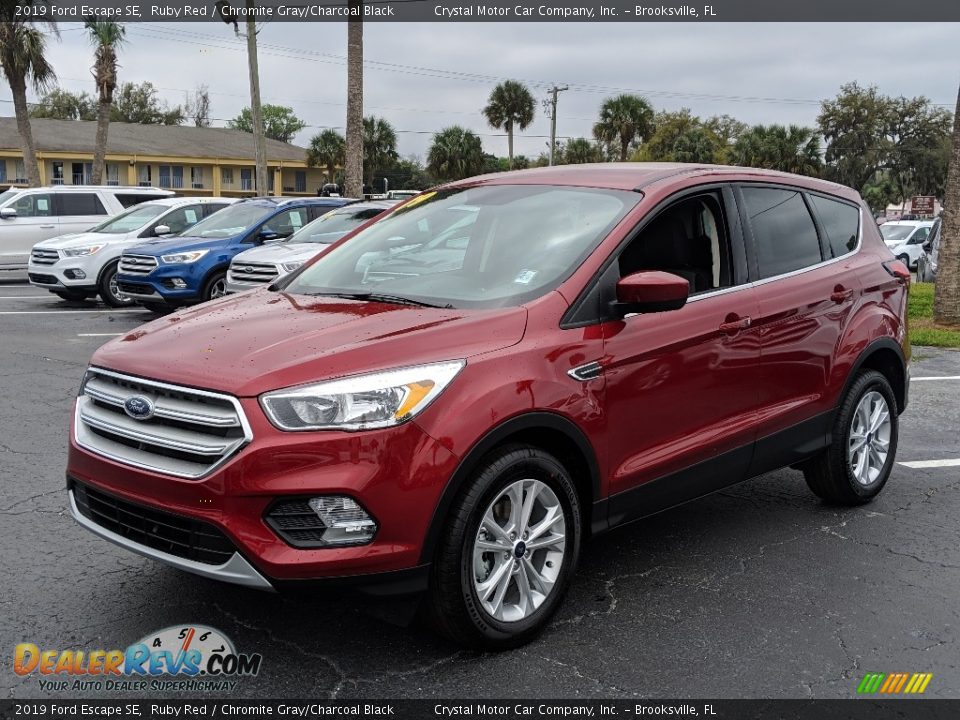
424,77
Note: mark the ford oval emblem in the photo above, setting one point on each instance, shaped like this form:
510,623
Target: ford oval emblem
138,407
248,269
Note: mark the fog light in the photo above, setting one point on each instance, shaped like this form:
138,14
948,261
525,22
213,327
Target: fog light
346,521
326,521
179,284
75,274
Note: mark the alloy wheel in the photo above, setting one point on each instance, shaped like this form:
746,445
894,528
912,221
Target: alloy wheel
869,441
519,550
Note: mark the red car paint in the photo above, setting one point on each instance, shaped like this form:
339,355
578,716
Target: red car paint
721,379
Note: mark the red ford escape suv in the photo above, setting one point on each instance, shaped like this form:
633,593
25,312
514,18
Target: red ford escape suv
454,397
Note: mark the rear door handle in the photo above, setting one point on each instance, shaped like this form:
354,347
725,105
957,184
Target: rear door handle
47,227
840,295
735,326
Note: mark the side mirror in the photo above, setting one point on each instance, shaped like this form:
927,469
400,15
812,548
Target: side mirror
161,230
928,246
651,291
266,234
7,213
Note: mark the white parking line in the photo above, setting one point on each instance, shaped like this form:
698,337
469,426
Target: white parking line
23,297
943,377
62,312
99,334
920,464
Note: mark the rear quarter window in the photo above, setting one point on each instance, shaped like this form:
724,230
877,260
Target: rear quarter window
784,235
841,223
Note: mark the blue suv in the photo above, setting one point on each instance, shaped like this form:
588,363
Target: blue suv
167,273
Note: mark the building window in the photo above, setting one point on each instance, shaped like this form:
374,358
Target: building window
171,176
270,175
21,172
113,174
57,173
3,170
82,173
144,176
246,179
226,176
196,178
300,181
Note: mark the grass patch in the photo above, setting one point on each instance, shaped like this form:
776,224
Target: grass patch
923,331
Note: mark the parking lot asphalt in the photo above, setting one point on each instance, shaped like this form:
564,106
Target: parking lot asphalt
758,591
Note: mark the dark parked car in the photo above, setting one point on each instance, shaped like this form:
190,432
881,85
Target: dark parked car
611,341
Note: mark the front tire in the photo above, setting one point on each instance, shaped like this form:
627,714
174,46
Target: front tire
216,287
905,259
855,468
508,552
109,291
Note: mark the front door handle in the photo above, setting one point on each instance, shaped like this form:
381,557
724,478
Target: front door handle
840,295
47,227
735,324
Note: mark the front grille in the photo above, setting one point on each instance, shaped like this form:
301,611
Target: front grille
252,273
137,264
188,433
296,523
43,279
135,288
172,534
44,256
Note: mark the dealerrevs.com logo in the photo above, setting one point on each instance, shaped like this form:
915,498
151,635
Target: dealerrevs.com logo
184,658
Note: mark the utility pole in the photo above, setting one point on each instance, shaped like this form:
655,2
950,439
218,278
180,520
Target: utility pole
553,117
256,112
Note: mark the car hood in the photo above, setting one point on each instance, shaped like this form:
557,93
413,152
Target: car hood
251,343
280,252
78,240
177,245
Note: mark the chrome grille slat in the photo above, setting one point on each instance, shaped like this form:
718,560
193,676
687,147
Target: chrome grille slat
252,273
44,256
137,264
189,434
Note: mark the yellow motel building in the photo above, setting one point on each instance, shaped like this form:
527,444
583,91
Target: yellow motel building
188,160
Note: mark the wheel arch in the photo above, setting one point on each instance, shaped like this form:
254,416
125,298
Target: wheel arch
886,357
548,431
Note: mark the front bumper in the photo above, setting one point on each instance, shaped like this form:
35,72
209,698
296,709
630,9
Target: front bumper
161,285
397,474
65,274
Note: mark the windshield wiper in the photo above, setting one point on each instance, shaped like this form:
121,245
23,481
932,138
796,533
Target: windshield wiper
383,297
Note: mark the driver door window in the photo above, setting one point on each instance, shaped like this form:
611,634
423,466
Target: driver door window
286,223
33,205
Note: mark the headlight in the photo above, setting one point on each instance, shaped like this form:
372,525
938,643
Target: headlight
361,402
291,266
186,257
81,251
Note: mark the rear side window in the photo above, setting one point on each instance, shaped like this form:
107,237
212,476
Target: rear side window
131,199
841,223
783,230
81,204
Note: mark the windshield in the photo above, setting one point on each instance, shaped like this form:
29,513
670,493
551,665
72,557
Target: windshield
8,195
130,220
895,233
488,246
230,221
334,225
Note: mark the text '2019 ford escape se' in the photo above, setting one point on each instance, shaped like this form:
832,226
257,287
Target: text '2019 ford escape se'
455,412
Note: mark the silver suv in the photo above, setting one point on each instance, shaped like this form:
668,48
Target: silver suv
80,265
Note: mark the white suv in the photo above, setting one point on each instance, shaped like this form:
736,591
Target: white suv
29,215
905,239
81,265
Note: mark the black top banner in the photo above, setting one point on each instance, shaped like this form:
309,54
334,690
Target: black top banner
445,11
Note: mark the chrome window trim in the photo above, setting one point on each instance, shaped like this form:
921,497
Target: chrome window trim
238,408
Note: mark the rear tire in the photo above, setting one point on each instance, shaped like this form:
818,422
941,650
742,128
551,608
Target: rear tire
488,590
109,292
855,467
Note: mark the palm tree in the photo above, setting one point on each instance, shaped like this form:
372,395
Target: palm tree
379,145
353,167
455,154
510,105
580,150
327,149
623,119
946,300
107,37
22,58
792,149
